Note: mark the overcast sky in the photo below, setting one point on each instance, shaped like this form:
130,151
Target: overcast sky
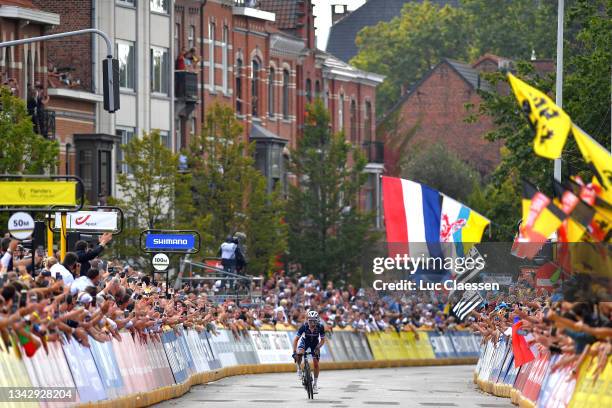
322,10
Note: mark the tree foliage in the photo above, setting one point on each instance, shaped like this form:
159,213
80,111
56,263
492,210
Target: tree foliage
226,194
21,150
147,190
408,46
327,232
442,170
586,98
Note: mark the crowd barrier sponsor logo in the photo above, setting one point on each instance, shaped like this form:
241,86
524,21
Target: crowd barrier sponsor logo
404,345
84,372
198,351
89,221
37,193
222,344
337,347
272,347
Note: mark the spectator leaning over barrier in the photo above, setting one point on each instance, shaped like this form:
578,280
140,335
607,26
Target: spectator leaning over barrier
84,255
66,270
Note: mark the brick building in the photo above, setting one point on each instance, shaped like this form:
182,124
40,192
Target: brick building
436,106
260,57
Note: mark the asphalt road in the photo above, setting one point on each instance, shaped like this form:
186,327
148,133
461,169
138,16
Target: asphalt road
419,387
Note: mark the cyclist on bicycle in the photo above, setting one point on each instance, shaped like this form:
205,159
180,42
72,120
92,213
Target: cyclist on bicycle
308,336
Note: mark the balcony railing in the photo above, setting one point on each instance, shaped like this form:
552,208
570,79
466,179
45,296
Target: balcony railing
374,151
186,85
44,123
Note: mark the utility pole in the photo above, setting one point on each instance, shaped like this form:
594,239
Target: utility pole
559,84
110,65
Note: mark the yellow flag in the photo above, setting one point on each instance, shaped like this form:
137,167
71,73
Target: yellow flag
551,123
598,158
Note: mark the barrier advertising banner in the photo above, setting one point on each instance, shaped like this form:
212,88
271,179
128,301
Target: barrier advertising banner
84,372
108,368
198,351
591,392
222,346
442,345
272,347
176,356
336,346
417,349
211,357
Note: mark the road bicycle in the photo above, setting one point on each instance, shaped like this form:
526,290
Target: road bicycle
307,380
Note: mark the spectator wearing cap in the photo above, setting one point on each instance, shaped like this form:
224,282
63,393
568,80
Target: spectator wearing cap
84,256
67,269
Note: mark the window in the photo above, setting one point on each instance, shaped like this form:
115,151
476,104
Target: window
309,90
160,71
353,121
127,66
159,6
191,37
271,100
85,173
211,56
178,134
126,135
255,88
341,113
164,137
127,2
367,123
285,94
104,170
192,127
177,40
317,89
239,86
224,59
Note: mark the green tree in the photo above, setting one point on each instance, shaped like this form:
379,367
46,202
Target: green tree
21,150
226,194
442,170
407,47
327,232
146,192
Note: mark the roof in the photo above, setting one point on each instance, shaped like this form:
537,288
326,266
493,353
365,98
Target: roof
465,71
341,41
260,132
335,68
286,12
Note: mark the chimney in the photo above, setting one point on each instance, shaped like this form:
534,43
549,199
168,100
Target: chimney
339,11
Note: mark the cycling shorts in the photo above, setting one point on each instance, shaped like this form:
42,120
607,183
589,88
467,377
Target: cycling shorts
304,345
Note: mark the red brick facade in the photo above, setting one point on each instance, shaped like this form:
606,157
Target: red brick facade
437,106
282,50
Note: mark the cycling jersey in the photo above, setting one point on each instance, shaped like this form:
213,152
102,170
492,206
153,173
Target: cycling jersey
310,337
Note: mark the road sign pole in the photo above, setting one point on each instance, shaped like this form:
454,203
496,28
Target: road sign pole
49,242
63,238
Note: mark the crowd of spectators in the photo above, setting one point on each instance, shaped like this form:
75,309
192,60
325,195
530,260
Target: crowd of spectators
85,296
574,322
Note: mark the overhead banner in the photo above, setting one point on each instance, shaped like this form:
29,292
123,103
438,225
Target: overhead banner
89,221
37,193
174,242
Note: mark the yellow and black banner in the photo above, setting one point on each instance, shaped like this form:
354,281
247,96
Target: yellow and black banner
598,158
551,123
37,193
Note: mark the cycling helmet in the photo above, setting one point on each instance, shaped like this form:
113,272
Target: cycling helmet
313,315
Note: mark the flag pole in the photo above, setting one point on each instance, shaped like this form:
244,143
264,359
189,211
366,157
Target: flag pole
559,82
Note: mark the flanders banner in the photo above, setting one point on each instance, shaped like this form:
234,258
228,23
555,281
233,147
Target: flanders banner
37,193
551,123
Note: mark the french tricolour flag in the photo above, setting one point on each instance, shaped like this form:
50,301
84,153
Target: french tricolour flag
412,218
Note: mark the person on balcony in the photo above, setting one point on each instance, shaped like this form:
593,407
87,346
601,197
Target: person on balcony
179,64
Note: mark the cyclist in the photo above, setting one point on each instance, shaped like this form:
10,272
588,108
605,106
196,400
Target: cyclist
308,336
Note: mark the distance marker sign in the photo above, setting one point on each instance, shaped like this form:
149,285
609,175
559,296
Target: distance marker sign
21,225
161,262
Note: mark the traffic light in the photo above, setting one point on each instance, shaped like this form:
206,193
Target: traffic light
110,79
